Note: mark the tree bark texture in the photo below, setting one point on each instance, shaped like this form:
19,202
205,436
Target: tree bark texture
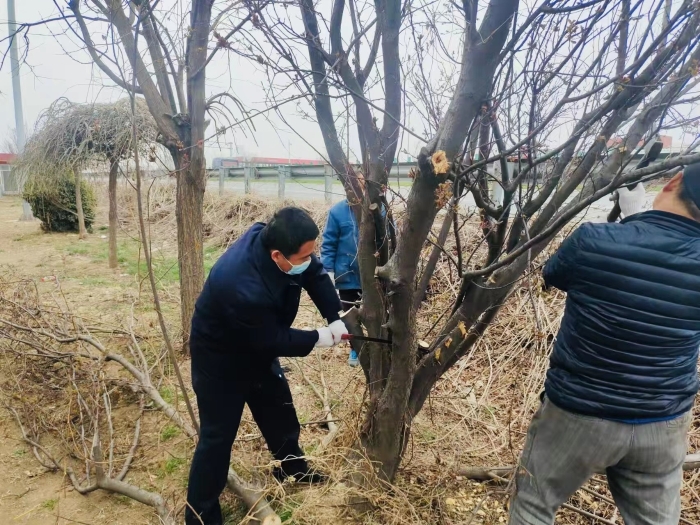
189,210
82,231
191,176
181,134
113,218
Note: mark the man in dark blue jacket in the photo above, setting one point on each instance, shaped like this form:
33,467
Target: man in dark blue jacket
241,326
623,374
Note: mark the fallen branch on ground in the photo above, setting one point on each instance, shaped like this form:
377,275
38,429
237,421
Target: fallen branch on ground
322,395
42,334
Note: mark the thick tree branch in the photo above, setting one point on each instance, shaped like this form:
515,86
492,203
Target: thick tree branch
74,6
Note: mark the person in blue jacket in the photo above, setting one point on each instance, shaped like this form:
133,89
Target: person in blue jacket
339,257
241,326
623,375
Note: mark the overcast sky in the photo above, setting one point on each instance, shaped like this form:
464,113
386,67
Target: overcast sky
56,67
50,73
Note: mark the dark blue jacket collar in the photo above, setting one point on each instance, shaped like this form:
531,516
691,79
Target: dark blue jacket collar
667,220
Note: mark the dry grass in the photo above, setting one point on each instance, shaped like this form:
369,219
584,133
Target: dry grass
225,218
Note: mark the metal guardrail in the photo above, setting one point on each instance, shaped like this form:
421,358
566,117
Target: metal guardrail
9,185
298,171
305,171
326,173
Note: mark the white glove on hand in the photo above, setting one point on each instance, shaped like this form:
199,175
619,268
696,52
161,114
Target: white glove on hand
325,338
338,329
332,276
631,201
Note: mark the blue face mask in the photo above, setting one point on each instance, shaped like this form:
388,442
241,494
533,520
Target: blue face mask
297,269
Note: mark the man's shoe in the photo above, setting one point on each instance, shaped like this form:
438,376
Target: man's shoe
353,360
310,477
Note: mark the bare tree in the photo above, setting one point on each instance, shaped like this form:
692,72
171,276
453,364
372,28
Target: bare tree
538,93
167,46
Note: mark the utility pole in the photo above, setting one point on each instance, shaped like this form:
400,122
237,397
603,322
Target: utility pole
17,94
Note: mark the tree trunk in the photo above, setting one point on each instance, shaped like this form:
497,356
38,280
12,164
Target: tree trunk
191,178
113,226
383,440
189,211
82,231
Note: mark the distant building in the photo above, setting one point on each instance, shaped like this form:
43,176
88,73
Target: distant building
239,162
7,158
8,183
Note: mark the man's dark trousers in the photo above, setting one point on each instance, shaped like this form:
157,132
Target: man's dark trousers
221,401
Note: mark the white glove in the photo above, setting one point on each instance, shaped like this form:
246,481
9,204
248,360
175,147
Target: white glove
332,276
338,329
631,201
325,338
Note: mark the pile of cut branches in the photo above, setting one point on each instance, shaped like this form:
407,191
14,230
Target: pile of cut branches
79,400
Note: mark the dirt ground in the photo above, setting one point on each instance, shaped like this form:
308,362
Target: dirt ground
28,494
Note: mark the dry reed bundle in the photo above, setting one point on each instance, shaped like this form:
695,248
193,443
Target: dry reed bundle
71,136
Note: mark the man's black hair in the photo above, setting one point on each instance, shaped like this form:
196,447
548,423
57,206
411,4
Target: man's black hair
288,230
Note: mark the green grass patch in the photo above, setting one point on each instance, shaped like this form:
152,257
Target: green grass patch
310,449
286,512
167,394
50,504
132,261
83,249
94,281
169,432
124,500
427,435
171,466
211,255
19,453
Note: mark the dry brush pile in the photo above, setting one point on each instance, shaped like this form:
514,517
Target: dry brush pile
79,392
225,218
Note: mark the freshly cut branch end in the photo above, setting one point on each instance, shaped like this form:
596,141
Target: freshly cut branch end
440,163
